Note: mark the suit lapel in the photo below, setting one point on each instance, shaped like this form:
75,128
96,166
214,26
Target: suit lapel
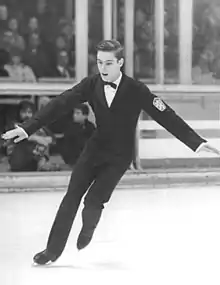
122,90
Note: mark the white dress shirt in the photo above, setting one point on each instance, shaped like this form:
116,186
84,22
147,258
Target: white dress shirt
110,92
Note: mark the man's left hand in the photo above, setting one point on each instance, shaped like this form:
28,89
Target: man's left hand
209,148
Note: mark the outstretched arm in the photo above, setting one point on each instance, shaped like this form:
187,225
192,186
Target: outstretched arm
52,111
166,117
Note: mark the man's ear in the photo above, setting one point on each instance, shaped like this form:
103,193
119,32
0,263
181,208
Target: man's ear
121,62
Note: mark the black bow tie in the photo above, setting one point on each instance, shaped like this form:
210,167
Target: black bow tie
113,85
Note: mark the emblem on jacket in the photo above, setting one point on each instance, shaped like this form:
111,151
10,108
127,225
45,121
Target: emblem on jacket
159,104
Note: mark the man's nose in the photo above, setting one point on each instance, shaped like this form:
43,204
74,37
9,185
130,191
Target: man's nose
103,68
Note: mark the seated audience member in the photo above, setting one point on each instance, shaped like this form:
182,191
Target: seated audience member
76,135
43,101
17,70
62,65
37,58
17,41
31,154
201,73
3,22
32,27
61,44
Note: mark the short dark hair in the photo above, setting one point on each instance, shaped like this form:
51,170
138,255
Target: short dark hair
83,108
25,104
111,46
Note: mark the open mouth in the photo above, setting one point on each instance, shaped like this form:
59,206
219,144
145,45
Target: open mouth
105,74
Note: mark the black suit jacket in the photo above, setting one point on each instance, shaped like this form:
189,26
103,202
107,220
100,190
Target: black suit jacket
113,140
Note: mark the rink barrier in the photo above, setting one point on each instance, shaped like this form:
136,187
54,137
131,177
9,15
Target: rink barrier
55,87
149,180
172,93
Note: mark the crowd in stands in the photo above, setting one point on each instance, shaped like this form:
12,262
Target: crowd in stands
206,42
37,41
36,46
40,41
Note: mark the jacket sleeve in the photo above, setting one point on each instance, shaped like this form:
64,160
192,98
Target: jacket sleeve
58,106
163,114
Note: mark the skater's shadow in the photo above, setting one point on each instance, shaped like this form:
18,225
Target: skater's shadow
107,265
52,266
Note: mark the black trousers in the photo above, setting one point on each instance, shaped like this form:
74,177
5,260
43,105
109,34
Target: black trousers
99,181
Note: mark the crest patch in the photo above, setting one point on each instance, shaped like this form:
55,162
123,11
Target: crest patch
159,104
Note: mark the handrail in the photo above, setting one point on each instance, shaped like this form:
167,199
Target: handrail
55,88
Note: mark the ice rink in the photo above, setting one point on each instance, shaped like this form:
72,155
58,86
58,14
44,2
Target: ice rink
159,236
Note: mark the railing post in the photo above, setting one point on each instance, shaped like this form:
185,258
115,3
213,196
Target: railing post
185,40
107,19
159,40
81,8
129,63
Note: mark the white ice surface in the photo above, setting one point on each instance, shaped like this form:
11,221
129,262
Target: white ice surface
161,236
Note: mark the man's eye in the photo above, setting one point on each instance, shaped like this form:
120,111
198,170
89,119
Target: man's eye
108,63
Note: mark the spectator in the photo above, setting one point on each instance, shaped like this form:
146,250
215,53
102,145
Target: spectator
66,39
3,20
33,25
37,58
32,28
33,153
43,101
67,29
62,68
76,134
61,44
17,70
17,41
201,73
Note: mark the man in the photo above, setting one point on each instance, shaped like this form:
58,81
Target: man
31,154
62,68
76,135
117,101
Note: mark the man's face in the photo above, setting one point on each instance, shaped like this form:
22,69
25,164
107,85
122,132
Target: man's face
78,116
109,66
26,114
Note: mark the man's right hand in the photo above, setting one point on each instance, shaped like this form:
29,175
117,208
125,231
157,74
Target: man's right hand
18,134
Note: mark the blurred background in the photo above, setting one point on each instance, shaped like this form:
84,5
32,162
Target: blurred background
173,46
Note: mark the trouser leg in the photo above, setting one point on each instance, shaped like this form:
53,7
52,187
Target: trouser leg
80,181
99,194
